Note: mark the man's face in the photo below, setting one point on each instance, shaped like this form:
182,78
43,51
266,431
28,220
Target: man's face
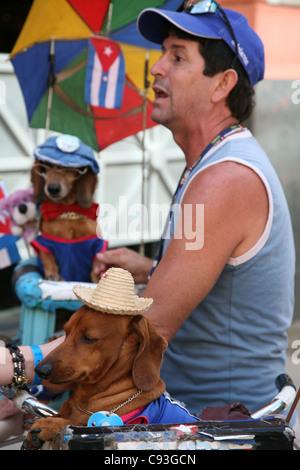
181,90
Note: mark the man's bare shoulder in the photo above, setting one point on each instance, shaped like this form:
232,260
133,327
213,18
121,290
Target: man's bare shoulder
225,179
235,203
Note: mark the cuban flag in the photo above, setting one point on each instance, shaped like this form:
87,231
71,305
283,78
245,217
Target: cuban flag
9,253
105,76
4,218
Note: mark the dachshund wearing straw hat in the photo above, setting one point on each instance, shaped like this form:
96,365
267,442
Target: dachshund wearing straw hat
111,360
64,178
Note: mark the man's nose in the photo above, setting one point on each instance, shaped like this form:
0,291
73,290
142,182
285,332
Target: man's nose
158,68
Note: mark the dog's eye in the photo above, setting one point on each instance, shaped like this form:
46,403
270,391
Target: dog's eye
88,340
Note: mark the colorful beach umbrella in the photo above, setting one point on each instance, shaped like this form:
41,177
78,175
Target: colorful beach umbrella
83,68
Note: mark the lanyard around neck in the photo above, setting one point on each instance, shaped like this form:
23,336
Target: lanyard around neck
186,172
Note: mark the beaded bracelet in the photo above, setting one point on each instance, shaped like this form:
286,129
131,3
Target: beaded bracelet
38,356
19,378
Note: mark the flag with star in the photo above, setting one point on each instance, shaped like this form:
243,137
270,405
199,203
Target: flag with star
4,217
105,76
9,253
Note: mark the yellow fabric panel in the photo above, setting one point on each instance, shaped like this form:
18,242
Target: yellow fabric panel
135,58
50,18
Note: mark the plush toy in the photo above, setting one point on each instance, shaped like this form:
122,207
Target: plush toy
19,208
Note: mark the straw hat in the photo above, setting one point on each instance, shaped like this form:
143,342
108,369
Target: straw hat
113,294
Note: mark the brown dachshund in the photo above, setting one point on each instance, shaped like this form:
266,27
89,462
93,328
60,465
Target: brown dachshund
68,214
105,359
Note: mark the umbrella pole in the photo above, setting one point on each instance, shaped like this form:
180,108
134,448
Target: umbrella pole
50,92
109,17
142,244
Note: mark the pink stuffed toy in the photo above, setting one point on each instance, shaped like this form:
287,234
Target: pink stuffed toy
19,208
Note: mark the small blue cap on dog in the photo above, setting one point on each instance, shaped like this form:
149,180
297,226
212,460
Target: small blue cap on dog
67,151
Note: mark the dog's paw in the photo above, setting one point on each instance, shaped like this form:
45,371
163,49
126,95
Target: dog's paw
32,441
43,430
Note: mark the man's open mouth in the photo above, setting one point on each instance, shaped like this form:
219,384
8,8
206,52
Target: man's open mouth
159,93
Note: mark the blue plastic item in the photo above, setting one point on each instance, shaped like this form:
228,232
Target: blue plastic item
38,315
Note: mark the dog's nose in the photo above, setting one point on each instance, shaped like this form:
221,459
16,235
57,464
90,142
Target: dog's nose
44,370
54,189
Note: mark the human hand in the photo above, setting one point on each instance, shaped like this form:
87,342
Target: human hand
7,408
125,258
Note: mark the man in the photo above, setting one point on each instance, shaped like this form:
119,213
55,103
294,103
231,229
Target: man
224,305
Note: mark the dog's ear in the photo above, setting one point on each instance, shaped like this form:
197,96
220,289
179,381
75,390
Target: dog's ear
38,183
85,188
146,366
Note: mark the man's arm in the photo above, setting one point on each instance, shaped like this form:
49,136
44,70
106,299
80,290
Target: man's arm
235,206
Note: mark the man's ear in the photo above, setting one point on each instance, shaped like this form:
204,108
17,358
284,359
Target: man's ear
225,82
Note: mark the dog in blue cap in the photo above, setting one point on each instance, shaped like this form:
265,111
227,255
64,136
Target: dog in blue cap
64,179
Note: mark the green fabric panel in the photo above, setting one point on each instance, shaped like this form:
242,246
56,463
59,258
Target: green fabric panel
125,12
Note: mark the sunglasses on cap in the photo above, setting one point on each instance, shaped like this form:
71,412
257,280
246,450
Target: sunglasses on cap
198,7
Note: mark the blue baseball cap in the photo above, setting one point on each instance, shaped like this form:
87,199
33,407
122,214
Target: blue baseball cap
151,23
67,151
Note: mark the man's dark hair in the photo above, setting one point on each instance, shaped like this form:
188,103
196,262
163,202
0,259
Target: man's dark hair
219,57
